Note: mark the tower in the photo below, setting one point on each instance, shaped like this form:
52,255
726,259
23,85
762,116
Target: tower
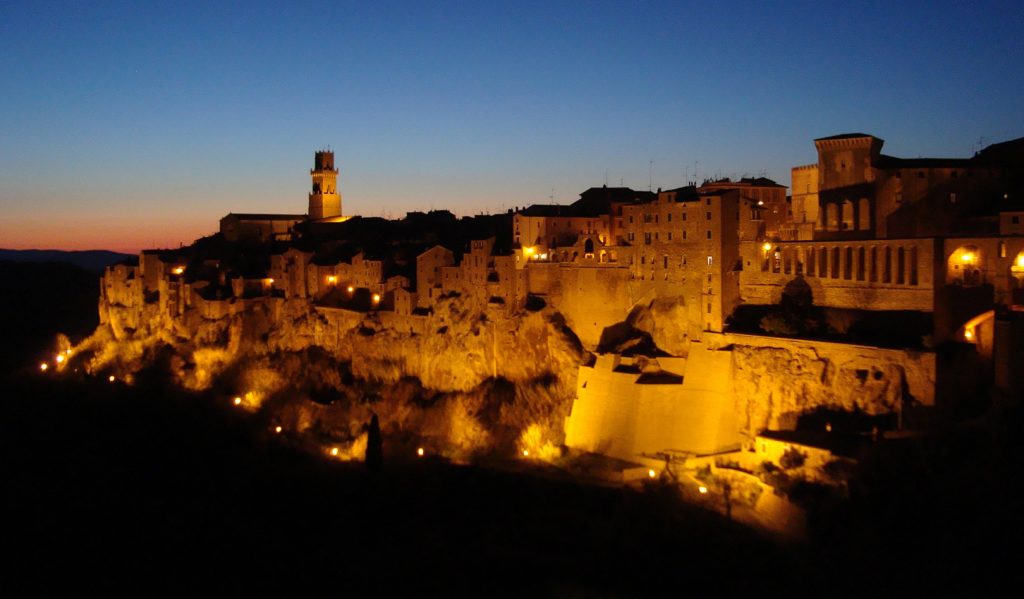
324,201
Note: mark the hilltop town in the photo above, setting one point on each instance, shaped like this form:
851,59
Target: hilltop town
880,296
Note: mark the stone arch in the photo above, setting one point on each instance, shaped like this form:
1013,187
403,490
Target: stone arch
963,267
588,246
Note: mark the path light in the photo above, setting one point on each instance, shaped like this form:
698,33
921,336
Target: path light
526,453
178,270
334,451
968,334
332,279
703,490
419,451
766,247
651,473
111,378
376,298
967,258
238,401
59,358
43,366
277,429
351,290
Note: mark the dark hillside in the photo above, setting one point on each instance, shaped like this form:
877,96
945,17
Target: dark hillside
39,300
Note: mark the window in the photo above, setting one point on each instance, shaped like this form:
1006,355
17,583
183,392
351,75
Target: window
684,234
898,198
900,265
670,235
952,197
655,218
684,216
647,238
655,236
887,266
709,308
709,260
709,201
630,219
913,266
707,215
860,263
848,267
665,262
709,234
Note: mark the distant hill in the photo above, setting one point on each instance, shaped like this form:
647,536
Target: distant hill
91,260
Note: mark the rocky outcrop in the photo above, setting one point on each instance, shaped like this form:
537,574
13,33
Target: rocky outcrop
469,376
776,380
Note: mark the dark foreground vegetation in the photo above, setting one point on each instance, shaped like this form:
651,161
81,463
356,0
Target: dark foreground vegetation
144,490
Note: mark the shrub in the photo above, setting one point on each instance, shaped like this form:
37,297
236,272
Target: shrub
793,458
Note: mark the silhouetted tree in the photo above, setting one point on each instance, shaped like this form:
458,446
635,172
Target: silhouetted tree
374,446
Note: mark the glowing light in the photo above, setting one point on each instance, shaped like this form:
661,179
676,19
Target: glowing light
828,427
760,202
419,451
967,257
651,473
544,256
59,358
376,298
334,451
44,366
702,489
278,429
68,351
968,334
268,281
529,251
526,453
178,270
111,378
351,289
238,401
1020,260
766,247
332,279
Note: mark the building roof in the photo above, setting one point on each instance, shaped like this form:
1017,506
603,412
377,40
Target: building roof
844,136
254,216
891,162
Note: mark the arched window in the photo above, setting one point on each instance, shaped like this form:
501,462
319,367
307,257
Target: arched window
864,214
588,246
848,223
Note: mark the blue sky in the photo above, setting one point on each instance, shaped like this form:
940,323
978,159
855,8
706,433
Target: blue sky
126,125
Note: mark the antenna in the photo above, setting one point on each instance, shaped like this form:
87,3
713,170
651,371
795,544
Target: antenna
606,177
650,175
552,196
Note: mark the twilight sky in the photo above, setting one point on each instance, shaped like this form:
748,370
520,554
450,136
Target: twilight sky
130,125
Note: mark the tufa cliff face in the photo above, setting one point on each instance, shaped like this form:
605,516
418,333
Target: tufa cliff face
465,378
472,379
777,380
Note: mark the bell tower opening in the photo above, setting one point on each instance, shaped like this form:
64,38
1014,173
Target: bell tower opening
324,200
